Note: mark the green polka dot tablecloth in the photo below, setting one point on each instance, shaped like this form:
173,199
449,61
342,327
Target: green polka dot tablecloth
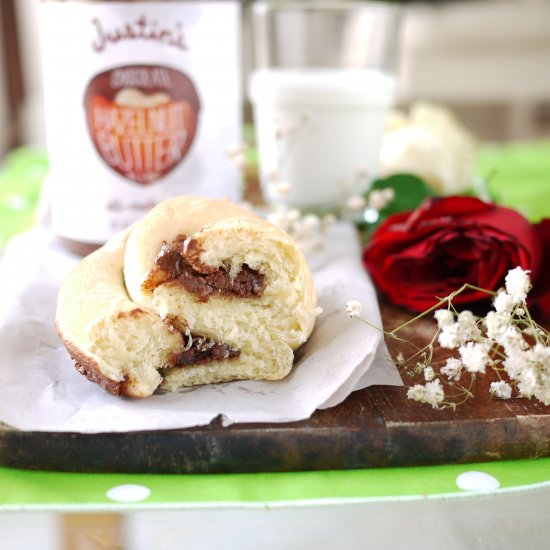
519,175
30,490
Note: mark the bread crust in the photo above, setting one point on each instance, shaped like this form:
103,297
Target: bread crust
86,366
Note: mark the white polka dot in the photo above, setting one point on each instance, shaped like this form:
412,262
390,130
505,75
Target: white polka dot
477,481
128,493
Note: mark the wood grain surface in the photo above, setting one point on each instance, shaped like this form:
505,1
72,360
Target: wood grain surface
375,427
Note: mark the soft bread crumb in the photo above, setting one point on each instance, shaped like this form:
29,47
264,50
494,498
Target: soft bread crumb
134,346
274,365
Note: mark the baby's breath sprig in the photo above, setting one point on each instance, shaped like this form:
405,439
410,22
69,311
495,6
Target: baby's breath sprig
236,155
307,230
506,341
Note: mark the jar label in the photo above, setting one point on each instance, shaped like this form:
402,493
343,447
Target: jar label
142,119
143,99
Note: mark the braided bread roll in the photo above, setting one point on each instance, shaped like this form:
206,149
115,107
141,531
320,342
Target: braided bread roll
199,291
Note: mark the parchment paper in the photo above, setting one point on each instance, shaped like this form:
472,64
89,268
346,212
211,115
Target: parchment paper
41,390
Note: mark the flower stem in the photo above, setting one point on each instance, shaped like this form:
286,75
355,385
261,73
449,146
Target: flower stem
448,299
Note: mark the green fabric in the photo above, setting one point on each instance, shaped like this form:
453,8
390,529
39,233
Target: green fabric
21,177
518,176
28,489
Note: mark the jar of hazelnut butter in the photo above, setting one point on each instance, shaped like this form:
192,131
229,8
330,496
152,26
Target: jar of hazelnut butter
142,100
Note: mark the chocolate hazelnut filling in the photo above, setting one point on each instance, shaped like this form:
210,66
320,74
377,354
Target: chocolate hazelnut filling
173,265
178,262
203,351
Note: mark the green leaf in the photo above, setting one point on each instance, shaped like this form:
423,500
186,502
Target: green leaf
410,191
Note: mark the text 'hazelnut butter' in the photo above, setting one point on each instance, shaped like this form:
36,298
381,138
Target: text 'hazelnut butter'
143,100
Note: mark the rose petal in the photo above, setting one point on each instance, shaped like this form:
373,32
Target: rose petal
443,207
541,289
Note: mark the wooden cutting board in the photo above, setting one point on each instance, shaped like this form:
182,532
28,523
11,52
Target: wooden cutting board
375,427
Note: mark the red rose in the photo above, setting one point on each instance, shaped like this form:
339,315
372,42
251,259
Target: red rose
416,257
541,291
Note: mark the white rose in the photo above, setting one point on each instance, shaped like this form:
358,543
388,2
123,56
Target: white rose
432,144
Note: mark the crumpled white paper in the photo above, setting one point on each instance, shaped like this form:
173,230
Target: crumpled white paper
41,390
